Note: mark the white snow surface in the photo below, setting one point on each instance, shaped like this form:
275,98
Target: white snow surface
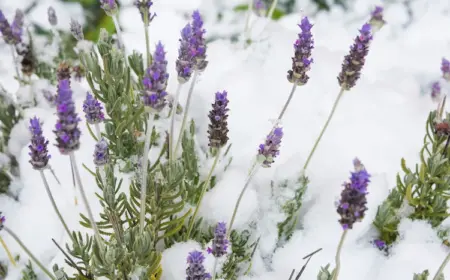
380,121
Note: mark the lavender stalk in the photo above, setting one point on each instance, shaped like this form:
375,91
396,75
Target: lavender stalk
93,113
440,271
219,245
172,123
217,130
338,255
17,239
196,270
350,73
153,97
147,17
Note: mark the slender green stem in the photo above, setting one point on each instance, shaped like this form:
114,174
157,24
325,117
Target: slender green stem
247,21
441,268
8,252
119,34
85,201
52,200
74,184
172,124
216,260
13,53
272,9
54,175
147,40
205,187
336,102
338,256
250,176
148,135
186,109
97,131
38,263
294,87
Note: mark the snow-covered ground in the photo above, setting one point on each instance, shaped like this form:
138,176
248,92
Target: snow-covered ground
380,121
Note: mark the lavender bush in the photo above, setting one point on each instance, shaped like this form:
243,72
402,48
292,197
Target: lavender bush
158,206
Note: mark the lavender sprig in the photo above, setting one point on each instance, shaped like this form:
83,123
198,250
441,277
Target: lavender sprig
17,26
144,9
76,30
93,110
376,20
198,43
38,147
302,60
354,61
101,156
218,116
445,68
436,91
260,7
270,149
220,241
196,270
185,64
109,6
66,129
5,29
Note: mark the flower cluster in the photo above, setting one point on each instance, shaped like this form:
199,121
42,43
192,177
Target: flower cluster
38,147
109,6
302,60
196,270
144,8
269,150
66,129
377,21
155,80
218,127
76,30
354,61
436,91
93,110
445,68
101,156
220,241
352,205
192,51
12,34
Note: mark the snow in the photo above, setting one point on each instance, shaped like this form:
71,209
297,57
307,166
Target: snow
380,121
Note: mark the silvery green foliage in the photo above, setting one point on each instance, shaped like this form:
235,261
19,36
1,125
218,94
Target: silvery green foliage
28,272
423,189
424,276
324,273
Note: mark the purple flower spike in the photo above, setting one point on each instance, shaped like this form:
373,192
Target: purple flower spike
377,21
218,127
66,129
2,221
6,31
196,269
380,244
198,44
93,110
436,92
109,6
354,61
271,148
144,8
352,205
38,147
260,7
155,80
302,60
17,26
220,241
101,156
76,30
185,64
445,68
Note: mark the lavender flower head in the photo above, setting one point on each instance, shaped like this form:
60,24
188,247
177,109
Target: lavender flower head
101,156
380,244
109,6
376,20
436,92
354,61
5,29
52,18
17,26
198,43
76,30
155,80
38,147
220,241
302,60
259,7
445,68
269,150
218,127
2,220
185,64
196,269
66,128
144,8
352,205
93,110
